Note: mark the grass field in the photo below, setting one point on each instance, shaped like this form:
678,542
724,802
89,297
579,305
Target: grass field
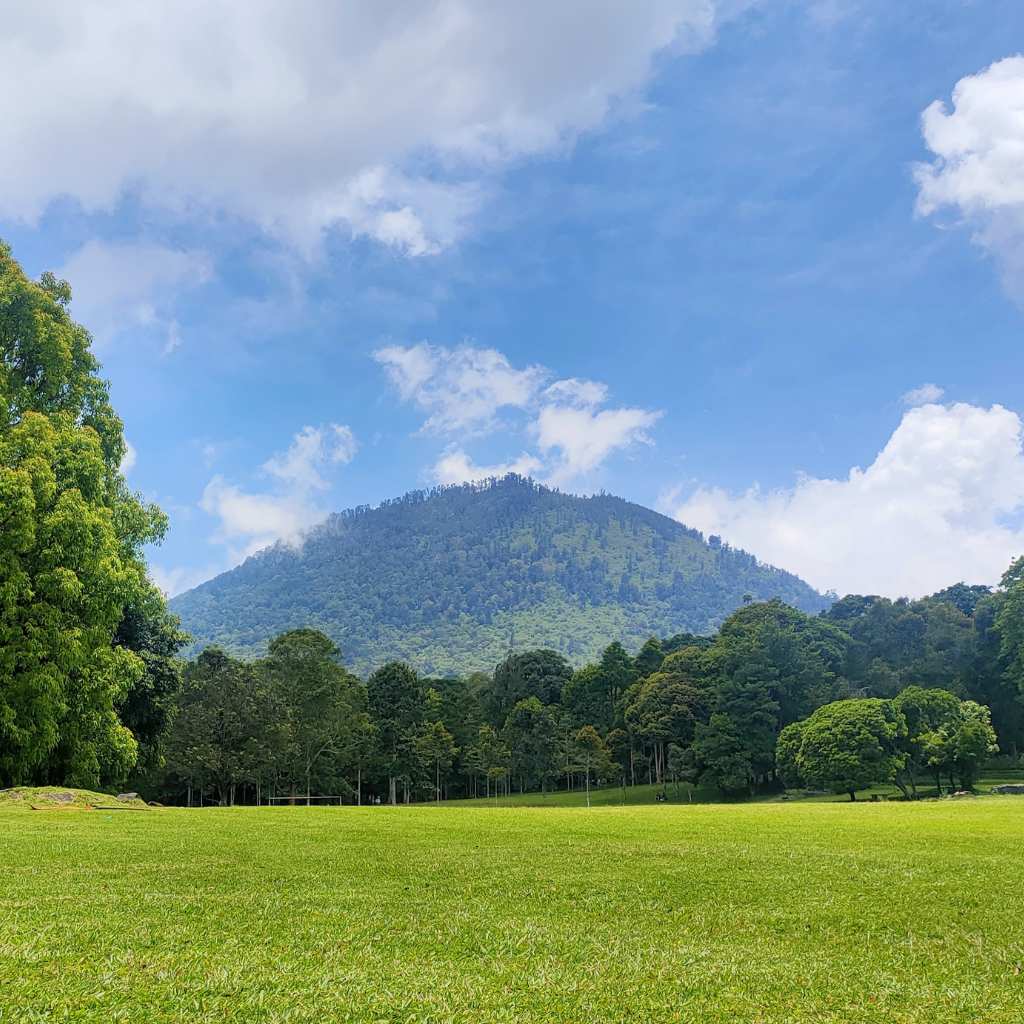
759,912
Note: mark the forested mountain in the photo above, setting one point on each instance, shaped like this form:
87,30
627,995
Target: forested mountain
449,579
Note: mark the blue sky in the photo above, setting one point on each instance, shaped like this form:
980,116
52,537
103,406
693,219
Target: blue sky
757,264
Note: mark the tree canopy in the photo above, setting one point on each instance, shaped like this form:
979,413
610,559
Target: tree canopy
71,541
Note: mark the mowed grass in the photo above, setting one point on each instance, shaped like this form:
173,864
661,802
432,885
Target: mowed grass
760,912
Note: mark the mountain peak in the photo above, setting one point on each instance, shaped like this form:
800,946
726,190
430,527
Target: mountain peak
443,578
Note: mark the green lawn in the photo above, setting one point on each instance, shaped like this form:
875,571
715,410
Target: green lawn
769,912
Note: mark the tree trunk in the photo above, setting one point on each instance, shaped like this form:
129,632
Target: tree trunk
853,796
588,785
392,790
359,786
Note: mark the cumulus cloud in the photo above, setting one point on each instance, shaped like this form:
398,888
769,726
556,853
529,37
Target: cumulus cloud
455,467
312,449
924,395
581,439
463,389
123,286
941,502
251,520
978,168
383,119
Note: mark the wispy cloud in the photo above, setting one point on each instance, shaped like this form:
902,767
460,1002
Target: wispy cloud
924,395
118,287
462,389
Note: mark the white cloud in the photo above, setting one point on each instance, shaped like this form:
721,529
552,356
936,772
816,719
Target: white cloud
455,467
941,502
130,457
312,449
573,391
122,286
462,388
386,119
173,580
924,395
583,438
978,169
249,521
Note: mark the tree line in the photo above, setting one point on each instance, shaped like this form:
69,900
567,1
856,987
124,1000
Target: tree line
872,691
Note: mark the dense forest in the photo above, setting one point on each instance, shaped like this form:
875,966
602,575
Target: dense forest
449,579
871,690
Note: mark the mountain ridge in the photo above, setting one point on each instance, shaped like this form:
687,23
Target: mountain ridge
448,579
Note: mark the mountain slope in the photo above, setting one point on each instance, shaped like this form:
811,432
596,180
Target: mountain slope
447,579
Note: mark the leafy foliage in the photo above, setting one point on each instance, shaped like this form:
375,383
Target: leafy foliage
71,537
846,745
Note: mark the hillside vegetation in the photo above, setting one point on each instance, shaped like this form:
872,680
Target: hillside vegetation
449,579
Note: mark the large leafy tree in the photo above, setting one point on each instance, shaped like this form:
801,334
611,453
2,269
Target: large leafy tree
945,736
585,698
540,674
531,736
664,710
846,745
436,748
1010,624
490,757
650,657
154,634
931,716
227,728
321,703
396,705
592,756
71,536
989,684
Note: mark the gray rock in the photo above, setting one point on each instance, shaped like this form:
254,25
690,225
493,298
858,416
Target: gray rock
127,796
61,798
1011,789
